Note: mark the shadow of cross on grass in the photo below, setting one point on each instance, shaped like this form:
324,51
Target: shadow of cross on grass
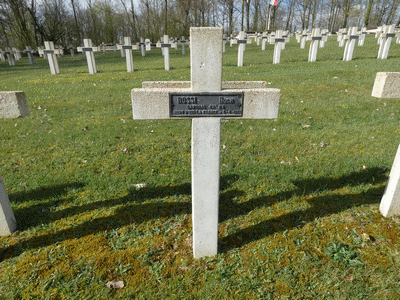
321,206
130,209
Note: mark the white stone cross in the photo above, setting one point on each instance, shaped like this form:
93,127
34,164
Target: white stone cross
324,33
303,39
165,45
148,44
241,42
17,53
128,47
386,41
51,52
10,56
316,37
88,49
350,44
362,35
183,42
279,41
205,99
264,41
142,47
342,36
2,58
8,223
29,51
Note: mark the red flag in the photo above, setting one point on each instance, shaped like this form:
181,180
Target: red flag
273,2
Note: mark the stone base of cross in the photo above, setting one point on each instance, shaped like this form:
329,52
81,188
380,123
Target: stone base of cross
205,99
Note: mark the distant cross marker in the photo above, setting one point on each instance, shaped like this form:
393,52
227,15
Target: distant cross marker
29,51
386,39
205,99
316,37
241,42
350,44
279,42
128,47
88,49
51,57
10,56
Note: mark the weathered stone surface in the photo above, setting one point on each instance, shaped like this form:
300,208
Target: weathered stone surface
387,85
8,223
13,105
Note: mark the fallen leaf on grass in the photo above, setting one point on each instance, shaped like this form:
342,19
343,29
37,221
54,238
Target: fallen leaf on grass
115,285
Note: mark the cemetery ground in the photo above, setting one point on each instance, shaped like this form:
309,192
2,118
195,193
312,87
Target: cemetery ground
101,197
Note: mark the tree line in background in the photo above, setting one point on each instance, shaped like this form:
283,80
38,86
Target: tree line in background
67,22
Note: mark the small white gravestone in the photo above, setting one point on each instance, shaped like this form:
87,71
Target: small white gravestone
128,47
264,40
206,99
8,223
13,105
241,42
10,56
165,50
387,35
148,44
316,38
386,85
279,41
350,44
142,48
362,35
88,49
390,203
303,39
29,52
51,52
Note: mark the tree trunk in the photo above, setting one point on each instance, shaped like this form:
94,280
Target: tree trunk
368,13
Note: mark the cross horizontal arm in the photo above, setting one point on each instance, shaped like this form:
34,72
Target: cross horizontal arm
153,103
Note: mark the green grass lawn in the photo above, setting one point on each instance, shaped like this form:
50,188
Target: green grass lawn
298,213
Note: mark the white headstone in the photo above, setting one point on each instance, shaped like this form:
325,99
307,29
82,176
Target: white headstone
128,47
350,44
279,41
386,85
148,44
29,52
51,52
141,46
241,42
193,100
387,36
8,223
316,38
303,39
88,49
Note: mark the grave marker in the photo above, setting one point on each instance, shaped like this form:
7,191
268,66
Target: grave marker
279,41
2,58
241,42
183,42
363,33
206,100
316,37
8,223
141,44
128,47
88,49
10,56
148,44
51,56
350,44
386,85
303,39
386,39
165,50
13,105
264,40
29,51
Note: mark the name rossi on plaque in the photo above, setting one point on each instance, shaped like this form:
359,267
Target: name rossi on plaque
206,105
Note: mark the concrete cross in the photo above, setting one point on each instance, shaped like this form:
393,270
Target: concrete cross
128,47
88,49
205,99
183,41
71,50
29,52
148,44
316,37
324,39
303,39
350,44
387,35
242,47
141,45
264,40
51,52
279,41
165,45
17,53
2,58
362,35
10,56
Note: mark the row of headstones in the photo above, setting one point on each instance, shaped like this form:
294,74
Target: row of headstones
205,99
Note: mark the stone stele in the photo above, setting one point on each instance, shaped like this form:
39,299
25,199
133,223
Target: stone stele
13,105
387,85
